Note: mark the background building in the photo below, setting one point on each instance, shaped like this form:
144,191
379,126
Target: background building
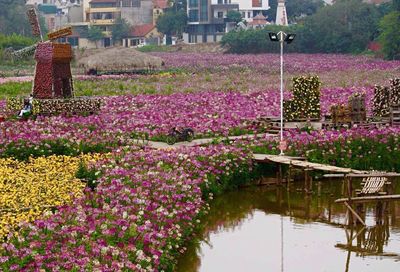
251,8
206,20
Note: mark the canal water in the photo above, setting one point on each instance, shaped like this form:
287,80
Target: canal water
271,229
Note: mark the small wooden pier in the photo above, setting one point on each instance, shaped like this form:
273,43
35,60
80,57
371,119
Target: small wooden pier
300,163
377,186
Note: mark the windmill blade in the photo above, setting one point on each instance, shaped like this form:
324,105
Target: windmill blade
24,52
34,21
63,32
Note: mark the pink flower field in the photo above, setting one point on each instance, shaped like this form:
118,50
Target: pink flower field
148,203
123,117
304,63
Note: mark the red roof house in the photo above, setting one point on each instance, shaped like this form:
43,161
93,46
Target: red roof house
161,4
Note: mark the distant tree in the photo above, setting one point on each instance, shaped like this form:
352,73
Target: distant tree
396,5
95,34
271,13
120,30
295,8
347,26
298,8
390,35
13,18
234,16
385,8
171,22
176,5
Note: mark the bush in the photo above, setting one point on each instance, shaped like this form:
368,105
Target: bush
15,41
257,40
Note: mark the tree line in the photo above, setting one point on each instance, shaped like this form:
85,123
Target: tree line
347,26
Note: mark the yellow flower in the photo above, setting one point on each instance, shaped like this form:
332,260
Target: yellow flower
27,189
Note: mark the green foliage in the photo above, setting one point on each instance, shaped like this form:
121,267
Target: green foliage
172,22
359,153
95,34
390,35
89,176
155,48
298,8
13,89
15,41
295,9
344,27
120,30
396,5
23,151
13,18
257,40
234,16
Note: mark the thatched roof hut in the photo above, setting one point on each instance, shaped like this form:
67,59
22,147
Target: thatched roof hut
119,59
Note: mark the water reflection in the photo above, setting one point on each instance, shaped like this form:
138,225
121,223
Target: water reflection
271,229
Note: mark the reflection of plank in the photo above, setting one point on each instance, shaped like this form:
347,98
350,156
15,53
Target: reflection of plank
304,164
365,251
354,212
369,198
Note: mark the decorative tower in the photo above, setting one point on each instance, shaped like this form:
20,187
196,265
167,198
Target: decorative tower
53,78
281,16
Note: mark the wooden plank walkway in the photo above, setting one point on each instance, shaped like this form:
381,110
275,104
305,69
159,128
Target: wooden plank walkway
361,199
304,164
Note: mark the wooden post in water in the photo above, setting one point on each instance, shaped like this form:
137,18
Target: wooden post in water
289,177
307,181
379,212
349,195
319,188
360,212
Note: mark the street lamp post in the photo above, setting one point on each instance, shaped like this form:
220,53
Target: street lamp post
281,37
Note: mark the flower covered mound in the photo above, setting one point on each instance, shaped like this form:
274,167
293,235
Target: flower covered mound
137,219
30,188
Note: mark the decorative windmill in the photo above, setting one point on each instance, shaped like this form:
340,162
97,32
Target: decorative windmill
53,77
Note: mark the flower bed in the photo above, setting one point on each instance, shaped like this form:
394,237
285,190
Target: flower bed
139,216
306,99
58,106
358,148
30,188
125,117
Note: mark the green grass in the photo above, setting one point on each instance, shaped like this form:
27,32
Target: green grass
155,48
12,89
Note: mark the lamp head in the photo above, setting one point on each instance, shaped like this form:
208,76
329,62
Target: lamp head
289,38
273,37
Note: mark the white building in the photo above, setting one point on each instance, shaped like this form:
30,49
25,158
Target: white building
251,8
281,15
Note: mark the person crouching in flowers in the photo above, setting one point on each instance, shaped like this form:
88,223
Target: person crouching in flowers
27,109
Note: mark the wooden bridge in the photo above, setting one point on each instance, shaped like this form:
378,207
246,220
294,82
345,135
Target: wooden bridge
376,185
299,162
307,167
